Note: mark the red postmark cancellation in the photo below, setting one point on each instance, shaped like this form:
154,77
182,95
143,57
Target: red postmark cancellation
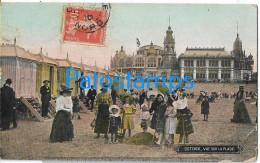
84,25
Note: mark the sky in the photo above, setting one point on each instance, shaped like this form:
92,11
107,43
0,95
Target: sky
38,25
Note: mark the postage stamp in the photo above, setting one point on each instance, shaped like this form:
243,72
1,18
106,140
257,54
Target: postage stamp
84,25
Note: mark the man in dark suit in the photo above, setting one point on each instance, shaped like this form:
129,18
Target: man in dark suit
8,106
46,97
91,96
114,95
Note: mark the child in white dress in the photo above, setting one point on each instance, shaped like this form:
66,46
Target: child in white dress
145,117
170,123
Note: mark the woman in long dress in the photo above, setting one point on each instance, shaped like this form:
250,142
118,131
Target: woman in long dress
184,126
158,121
62,127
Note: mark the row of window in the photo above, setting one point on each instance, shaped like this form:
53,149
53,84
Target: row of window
188,63
201,74
212,63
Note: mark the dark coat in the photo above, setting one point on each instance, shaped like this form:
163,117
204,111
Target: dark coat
114,95
92,94
205,107
7,100
184,125
141,98
158,119
46,93
114,124
76,107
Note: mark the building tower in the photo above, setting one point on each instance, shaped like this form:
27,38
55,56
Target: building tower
169,42
242,63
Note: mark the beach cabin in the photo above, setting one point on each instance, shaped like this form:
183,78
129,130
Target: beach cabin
20,66
46,70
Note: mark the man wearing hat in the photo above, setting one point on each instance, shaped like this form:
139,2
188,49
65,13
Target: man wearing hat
91,96
8,105
46,97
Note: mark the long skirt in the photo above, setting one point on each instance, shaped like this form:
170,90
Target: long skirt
102,120
240,113
62,127
170,125
184,126
128,122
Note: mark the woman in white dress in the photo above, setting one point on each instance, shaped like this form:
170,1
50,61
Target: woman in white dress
62,127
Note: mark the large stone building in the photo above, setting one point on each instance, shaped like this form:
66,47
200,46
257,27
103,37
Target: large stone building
150,60
206,64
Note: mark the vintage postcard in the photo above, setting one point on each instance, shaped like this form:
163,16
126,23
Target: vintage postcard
129,81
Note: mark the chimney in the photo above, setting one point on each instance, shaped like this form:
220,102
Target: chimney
121,48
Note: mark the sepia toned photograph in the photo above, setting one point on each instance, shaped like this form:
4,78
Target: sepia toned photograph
129,82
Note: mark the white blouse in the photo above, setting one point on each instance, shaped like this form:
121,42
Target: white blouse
60,104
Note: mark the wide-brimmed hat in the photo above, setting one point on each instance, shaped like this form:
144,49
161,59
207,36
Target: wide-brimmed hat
113,106
46,81
64,89
179,104
9,81
160,94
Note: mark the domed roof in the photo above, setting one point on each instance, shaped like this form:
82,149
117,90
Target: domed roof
151,51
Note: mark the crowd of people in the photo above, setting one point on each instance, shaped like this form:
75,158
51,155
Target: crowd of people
159,112
166,114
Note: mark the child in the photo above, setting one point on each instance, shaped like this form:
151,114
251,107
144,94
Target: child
145,117
114,122
76,107
170,124
128,111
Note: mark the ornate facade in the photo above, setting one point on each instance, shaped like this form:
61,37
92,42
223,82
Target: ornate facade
201,63
150,60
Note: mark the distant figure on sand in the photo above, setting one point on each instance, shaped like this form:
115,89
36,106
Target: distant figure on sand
205,108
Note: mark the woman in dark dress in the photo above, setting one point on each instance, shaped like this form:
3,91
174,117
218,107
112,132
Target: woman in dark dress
103,102
62,127
184,125
158,121
205,108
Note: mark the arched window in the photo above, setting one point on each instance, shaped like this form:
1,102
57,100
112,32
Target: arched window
151,62
129,62
139,62
121,63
